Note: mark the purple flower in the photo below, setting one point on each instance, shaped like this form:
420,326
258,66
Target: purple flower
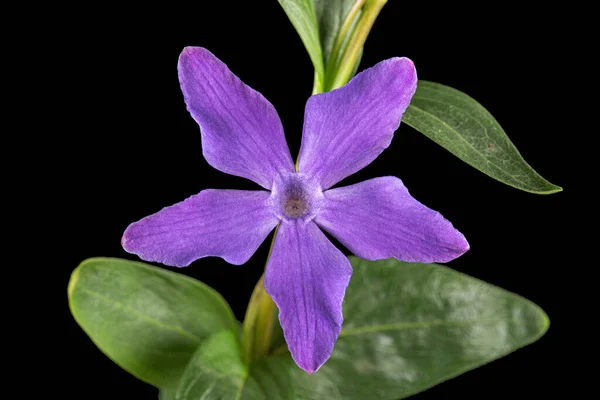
344,131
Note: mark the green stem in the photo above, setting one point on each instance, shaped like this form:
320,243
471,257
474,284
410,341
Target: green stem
257,329
318,84
343,73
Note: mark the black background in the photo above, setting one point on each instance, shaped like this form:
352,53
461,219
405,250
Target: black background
132,149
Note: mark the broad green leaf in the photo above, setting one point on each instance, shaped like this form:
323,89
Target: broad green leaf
407,327
330,16
464,127
302,15
147,320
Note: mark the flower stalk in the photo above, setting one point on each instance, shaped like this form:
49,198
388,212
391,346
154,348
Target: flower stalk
257,329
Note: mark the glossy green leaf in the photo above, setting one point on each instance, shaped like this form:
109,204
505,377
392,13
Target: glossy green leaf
302,15
464,127
408,326
148,320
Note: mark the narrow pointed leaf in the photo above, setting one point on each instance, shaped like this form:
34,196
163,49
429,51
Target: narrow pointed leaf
464,127
148,320
408,326
302,15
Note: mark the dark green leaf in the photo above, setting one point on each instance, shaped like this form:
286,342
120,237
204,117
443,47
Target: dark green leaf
148,320
407,327
462,126
302,15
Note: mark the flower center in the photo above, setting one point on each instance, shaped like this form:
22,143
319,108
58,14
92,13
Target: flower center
295,208
296,197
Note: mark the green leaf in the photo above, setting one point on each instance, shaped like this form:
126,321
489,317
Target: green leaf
148,320
462,126
217,371
330,15
408,326
302,15
335,34
320,24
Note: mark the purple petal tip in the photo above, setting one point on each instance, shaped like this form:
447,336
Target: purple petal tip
125,239
189,50
310,371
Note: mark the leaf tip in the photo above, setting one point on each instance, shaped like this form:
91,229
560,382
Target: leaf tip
548,188
554,189
538,322
545,325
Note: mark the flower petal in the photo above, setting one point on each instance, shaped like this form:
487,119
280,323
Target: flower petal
241,131
307,277
379,219
347,128
230,224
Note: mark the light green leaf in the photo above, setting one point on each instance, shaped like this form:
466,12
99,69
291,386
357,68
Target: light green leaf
462,126
407,327
302,15
147,320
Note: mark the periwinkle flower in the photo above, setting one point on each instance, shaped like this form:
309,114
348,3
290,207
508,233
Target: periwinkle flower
344,131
